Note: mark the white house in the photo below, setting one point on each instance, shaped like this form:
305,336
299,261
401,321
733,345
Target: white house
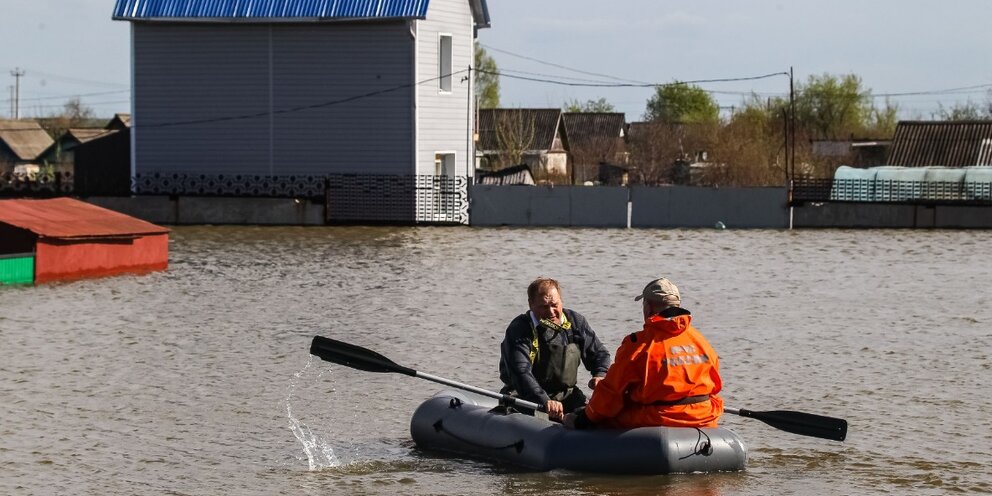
228,89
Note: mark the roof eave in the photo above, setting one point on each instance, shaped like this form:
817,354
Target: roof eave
480,11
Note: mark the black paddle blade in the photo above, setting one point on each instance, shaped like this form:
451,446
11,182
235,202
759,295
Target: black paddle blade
355,357
804,424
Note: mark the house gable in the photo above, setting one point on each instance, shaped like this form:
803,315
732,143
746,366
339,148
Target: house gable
25,139
542,127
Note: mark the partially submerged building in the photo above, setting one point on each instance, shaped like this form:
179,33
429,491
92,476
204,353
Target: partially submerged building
64,239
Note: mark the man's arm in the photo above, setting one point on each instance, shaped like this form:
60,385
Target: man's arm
608,398
515,352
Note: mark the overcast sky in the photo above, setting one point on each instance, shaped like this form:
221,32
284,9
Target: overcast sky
70,48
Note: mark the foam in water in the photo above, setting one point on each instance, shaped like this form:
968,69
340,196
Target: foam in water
320,454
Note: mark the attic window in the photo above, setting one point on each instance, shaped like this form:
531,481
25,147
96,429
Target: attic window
444,63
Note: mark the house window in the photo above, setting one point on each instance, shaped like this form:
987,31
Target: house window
444,63
444,164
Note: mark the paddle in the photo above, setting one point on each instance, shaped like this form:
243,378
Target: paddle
804,424
360,358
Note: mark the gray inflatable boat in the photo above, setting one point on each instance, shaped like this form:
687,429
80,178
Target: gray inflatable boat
466,424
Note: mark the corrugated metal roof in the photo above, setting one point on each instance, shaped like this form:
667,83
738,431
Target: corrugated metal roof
518,174
592,128
25,138
542,124
269,9
948,143
283,10
69,218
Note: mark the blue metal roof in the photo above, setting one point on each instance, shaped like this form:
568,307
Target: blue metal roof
271,9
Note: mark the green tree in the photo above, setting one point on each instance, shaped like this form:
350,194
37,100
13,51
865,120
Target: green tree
486,78
600,105
968,111
883,120
830,107
680,102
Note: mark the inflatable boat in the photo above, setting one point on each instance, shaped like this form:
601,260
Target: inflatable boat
475,426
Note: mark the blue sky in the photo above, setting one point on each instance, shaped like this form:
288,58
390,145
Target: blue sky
70,48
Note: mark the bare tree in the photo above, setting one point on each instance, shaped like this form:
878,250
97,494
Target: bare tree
514,137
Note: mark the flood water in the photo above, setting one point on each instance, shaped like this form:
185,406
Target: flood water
198,381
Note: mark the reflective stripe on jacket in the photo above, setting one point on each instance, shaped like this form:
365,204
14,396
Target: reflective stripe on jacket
667,361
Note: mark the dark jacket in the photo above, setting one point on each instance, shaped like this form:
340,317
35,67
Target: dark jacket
515,369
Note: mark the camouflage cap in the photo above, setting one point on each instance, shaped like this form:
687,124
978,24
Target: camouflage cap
661,291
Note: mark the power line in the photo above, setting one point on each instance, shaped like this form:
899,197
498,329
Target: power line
636,85
301,107
68,79
587,73
76,95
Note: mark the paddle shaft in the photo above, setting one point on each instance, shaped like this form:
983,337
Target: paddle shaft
365,359
485,392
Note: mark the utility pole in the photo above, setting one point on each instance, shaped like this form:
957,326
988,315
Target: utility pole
11,88
18,73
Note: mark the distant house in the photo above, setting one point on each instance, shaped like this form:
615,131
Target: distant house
593,138
119,122
941,143
515,175
531,136
301,88
22,142
856,152
60,153
102,164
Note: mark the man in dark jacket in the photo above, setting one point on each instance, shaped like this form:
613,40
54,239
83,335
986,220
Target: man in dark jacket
542,349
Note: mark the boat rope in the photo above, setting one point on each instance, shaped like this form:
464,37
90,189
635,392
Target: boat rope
439,427
704,448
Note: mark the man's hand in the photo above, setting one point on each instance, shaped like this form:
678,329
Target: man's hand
569,421
555,410
594,381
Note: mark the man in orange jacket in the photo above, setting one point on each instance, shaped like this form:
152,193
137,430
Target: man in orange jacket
665,374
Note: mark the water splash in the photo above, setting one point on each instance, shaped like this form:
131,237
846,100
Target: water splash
320,454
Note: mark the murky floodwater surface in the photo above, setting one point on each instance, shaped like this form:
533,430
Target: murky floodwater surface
197,380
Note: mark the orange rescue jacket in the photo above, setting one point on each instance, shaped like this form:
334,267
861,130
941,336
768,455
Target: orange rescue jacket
667,361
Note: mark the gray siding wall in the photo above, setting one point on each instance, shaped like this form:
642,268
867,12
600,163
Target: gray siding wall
273,99
603,206
444,118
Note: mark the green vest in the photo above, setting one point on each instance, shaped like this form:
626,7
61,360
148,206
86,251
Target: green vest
555,357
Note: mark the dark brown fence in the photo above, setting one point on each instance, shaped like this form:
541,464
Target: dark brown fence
39,185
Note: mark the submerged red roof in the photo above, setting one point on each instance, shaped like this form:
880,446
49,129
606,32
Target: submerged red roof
69,218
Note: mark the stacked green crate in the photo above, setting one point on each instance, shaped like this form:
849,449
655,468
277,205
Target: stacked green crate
17,268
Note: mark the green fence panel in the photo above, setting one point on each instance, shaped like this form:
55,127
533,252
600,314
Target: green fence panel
17,269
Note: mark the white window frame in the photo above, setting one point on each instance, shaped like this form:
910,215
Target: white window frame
445,62
445,163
